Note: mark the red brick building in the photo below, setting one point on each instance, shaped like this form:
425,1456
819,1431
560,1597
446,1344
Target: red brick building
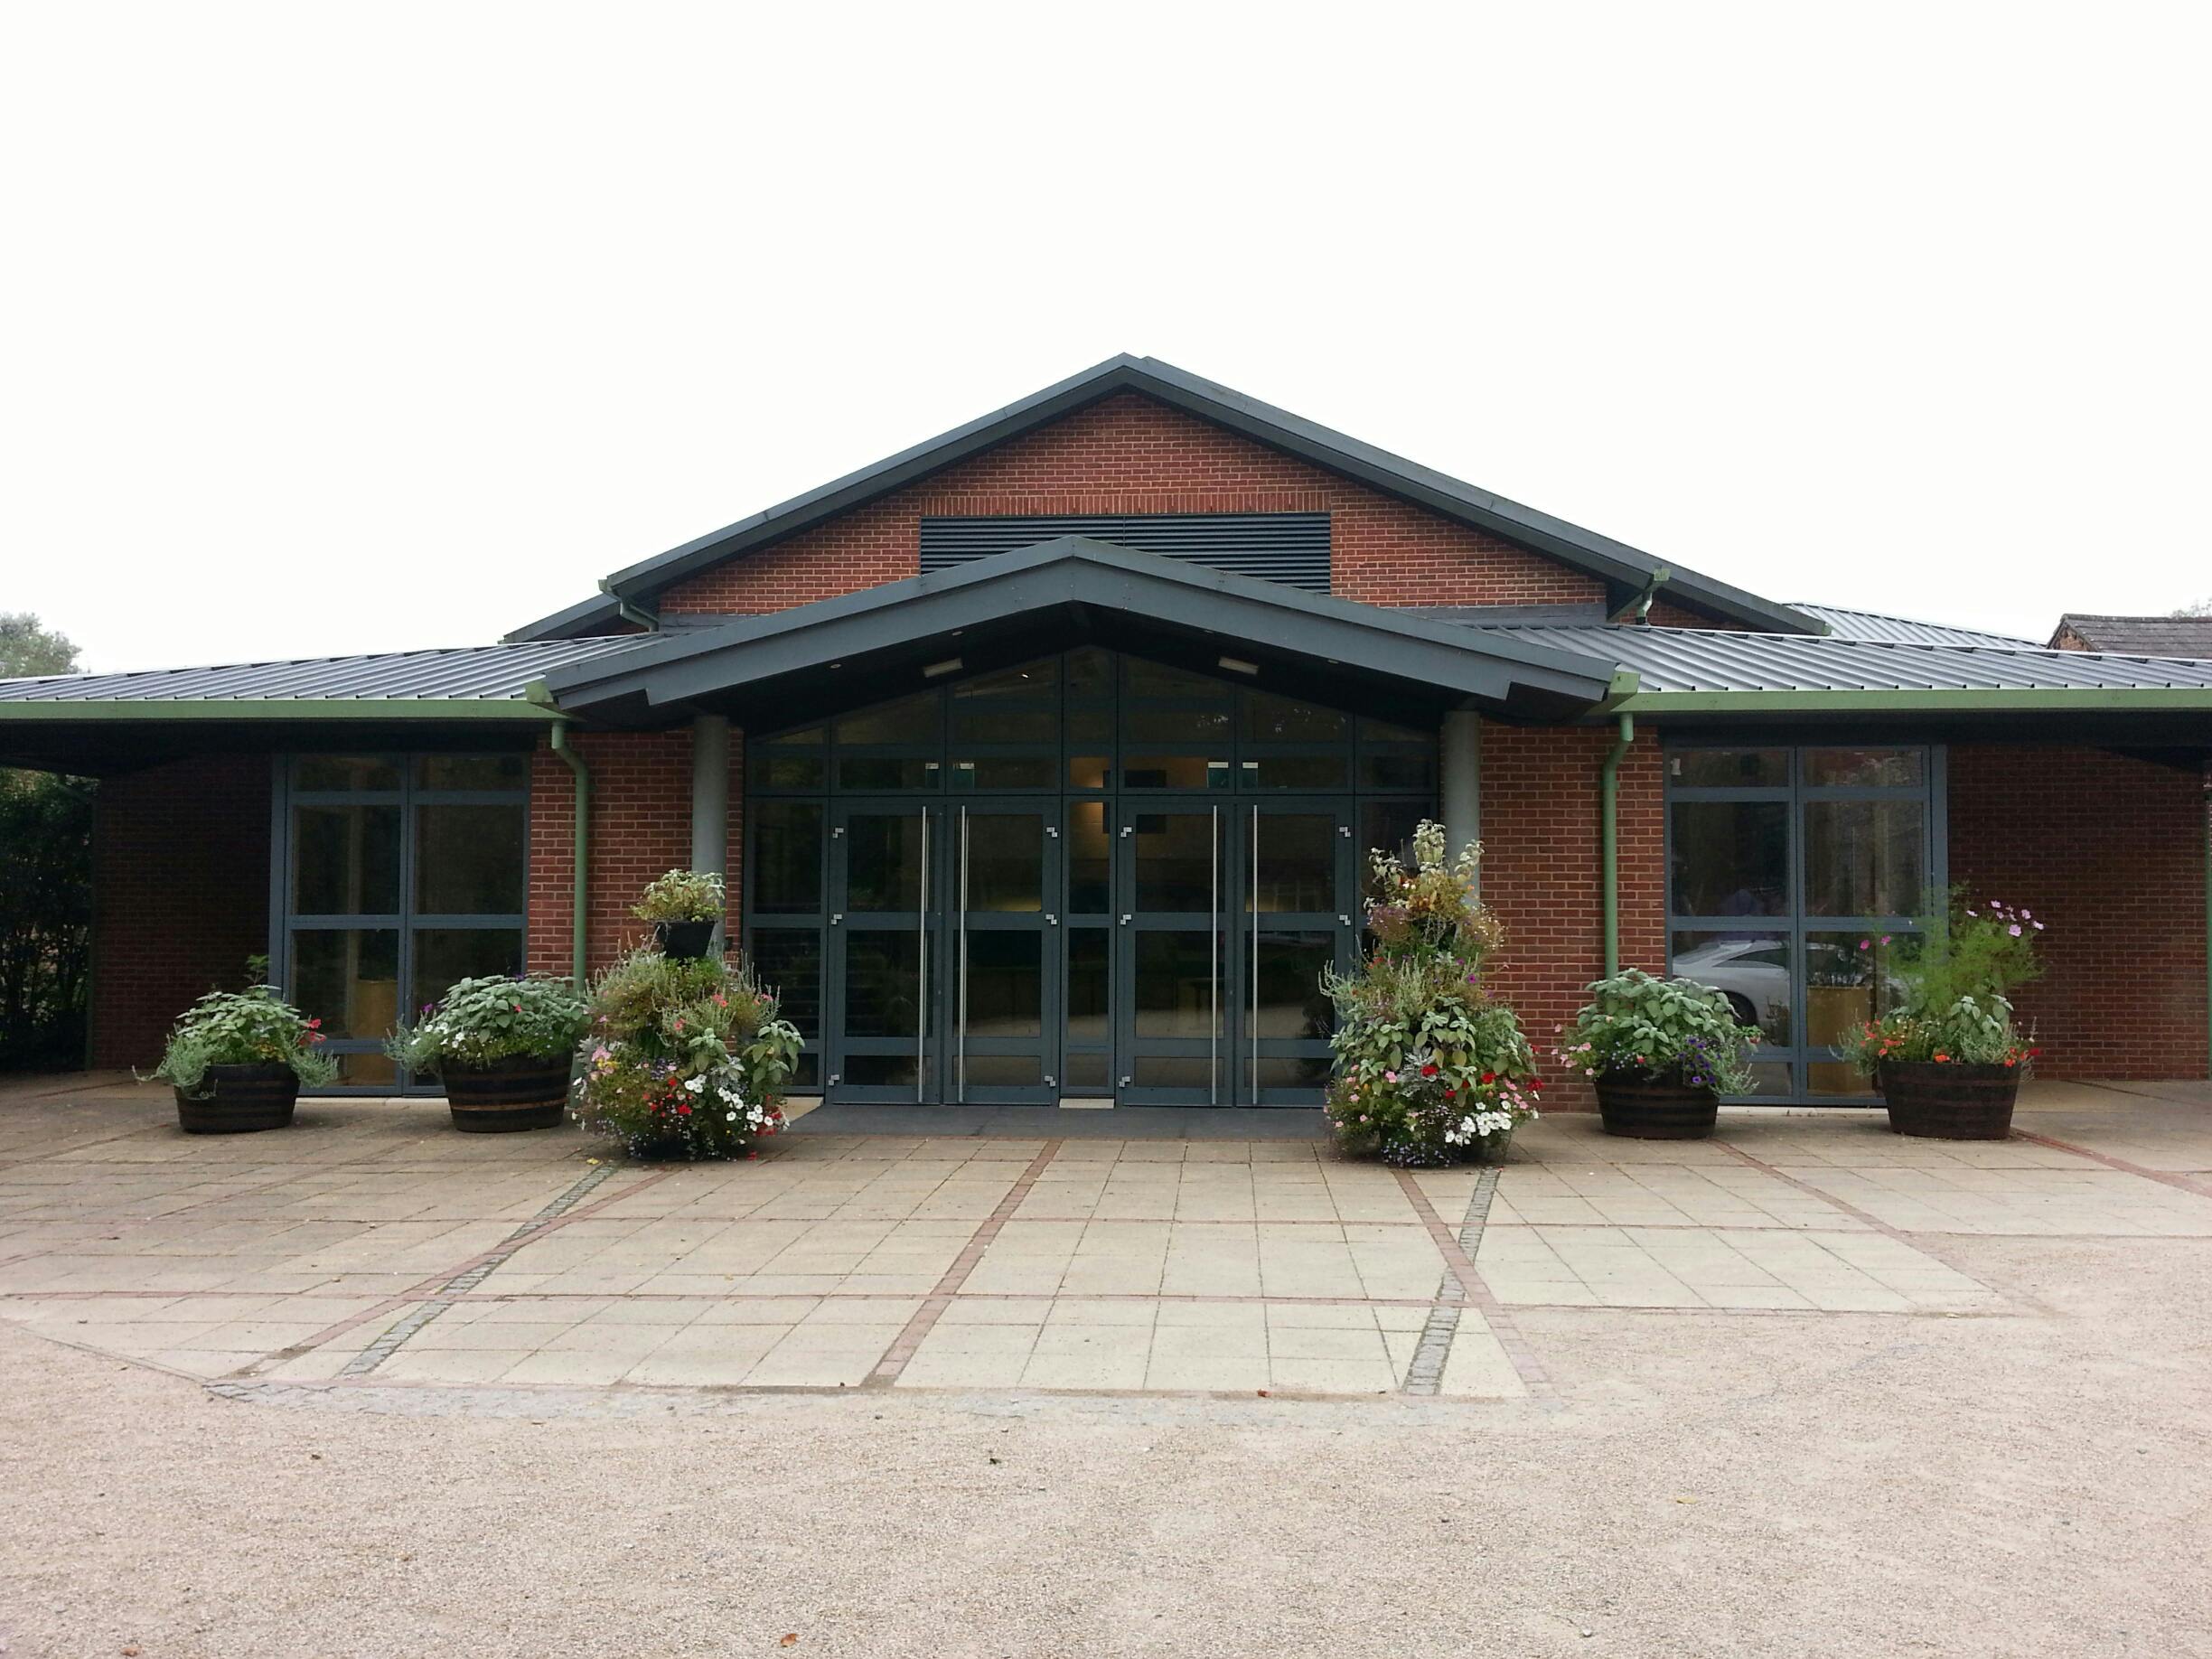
1043,759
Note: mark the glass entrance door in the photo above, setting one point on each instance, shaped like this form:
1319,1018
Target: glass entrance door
1005,1017
885,953
1172,975
1297,908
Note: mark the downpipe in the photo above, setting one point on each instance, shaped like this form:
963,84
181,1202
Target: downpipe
1608,839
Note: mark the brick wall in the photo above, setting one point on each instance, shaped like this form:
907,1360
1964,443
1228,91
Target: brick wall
180,881
641,826
1541,876
1128,453
2110,852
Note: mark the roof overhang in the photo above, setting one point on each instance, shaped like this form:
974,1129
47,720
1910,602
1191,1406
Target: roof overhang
789,665
1626,571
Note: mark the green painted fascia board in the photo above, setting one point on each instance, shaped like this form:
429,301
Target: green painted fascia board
2006,700
62,709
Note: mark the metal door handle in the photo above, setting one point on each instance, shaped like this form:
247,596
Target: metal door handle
1051,920
1213,969
960,1075
922,1010
1342,920
1125,921
837,918
1253,1088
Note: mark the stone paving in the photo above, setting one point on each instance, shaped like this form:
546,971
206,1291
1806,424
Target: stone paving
371,1247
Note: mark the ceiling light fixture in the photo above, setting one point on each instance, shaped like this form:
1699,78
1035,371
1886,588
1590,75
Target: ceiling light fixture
1237,665
949,666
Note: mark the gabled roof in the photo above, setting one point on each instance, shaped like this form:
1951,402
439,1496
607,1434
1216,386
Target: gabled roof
1849,624
1626,570
868,645
2165,636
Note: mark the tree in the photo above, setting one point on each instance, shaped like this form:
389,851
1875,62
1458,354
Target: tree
28,649
45,881
2202,607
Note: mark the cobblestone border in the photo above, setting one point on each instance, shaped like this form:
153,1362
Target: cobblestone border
1462,1286
1425,1373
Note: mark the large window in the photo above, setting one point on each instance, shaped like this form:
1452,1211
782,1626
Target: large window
1791,874
394,876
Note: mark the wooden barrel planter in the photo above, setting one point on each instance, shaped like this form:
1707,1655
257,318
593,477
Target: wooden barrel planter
683,942
1949,1102
240,1098
521,1092
1647,1108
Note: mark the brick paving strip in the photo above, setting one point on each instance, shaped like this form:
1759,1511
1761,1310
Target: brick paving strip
557,1215
1463,1285
2188,1183
933,1305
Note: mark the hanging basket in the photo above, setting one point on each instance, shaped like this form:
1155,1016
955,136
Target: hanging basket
683,942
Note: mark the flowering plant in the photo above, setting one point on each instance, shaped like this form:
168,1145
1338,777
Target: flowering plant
1665,1030
253,1027
493,1018
687,1058
1952,982
682,895
1429,1070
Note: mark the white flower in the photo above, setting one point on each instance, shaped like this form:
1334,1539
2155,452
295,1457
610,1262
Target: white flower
695,1085
731,1116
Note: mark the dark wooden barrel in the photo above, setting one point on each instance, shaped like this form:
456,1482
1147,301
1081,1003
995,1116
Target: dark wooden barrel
240,1098
521,1092
1647,1109
1948,1102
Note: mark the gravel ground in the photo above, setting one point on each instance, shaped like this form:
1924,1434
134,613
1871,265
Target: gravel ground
2027,1484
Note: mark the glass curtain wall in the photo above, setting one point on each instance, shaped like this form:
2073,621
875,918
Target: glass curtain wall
1792,872
394,875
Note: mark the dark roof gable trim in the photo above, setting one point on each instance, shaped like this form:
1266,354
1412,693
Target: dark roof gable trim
1624,570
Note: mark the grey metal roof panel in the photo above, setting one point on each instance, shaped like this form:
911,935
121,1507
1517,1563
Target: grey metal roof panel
1716,660
1600,556
2154,635
584,617
481,672
1852,625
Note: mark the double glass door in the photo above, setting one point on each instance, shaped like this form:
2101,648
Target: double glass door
1014,951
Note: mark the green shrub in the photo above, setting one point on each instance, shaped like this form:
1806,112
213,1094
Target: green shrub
1951,982
494,1017
682,895
1429,1070
1664,1030
253,1027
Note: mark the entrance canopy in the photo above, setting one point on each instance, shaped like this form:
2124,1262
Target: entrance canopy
784,667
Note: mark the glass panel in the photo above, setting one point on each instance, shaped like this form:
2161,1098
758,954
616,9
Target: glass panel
996,723
1172,1072
1142,678
444,955
1297,771
1731,859
1006,862
1864,858
1040,679
369,1070
1093,726
1848,981
1729,768
882,983
1752,970
1866,768
472,772
1089,671
787,837
812,737
1297,861
880,1071
1175,724
775,770
1836,1077
1398,769
1004,986
1387,826
1282,720
910,720
806,1072
883,861
346,860
1289,994
1003,1071
1087,984
1177,863
1090,859
1088,771
1292,1071
1383,731
1084,1072
858,772
1005,772
1173,772
470,860
1176,995
1771,1078
788,961
345,772
348,978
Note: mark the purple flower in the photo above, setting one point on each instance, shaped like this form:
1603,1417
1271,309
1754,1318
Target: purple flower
2015,929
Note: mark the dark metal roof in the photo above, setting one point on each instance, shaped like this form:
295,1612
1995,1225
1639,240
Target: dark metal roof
1026,601
2162,636
1851,624
1624,569
470,674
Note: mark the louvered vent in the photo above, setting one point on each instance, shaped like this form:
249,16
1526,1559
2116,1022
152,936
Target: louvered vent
1289,547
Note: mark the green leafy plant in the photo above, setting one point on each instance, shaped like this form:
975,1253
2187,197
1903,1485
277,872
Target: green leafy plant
1952,981
1663,1030
682,895
1429,1070
686,1058
494,1017
254,1027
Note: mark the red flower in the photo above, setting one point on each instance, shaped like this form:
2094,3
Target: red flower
1428,1070
315,1024
686,1111
1489,1077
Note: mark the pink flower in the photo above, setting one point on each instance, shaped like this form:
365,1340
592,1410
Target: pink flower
2015,929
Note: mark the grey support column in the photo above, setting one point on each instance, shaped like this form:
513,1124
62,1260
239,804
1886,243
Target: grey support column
1461,757
710,795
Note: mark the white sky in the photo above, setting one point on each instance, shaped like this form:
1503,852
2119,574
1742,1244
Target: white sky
334,329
